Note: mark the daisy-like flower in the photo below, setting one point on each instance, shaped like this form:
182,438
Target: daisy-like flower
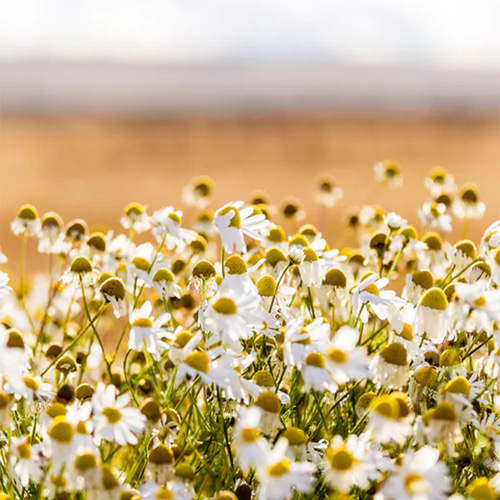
467,205
60,445
387,420
135,217
167,227
439,182
113,420
431,317
420,475
145,331
279,477
233,222
433,214
250,444
344,360
113,291
316,375
388,172
328,192
350,463
231,317
394,221
300,340
5,289
25,460
51,234
164,283
174,490
30,388
371,292
26,222
80,273
478,297
198,191
390,366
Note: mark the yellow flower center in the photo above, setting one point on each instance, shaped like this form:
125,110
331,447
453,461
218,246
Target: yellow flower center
315,359
435,299
279,469
480,302
236,219
340,459
30,383
112,414
198,360
414,483
249,435
61,430
337,356
225,306
24,450
372,288
143,323
141,263
164,493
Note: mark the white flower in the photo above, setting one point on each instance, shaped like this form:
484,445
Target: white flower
434,215
175,490
344,360
279,477
166,224
352,463
113,420
395,221
233,223
371,291
25,460
231,317
145,331
250,444
420,476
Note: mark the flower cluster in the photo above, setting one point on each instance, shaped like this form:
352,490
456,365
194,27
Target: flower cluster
231,360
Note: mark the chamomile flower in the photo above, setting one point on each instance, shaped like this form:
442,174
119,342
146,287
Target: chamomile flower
344,360
279,476
371,292
145,329
113,419
350,463
25,460
26,222
420,475
135,217
250,444
432,318
233,222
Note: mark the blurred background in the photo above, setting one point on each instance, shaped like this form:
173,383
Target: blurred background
104,102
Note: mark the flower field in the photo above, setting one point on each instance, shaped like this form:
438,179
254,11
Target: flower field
230,358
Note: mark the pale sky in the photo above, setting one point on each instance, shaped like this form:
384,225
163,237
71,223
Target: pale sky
460,34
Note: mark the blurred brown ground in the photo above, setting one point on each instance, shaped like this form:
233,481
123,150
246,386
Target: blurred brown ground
91,167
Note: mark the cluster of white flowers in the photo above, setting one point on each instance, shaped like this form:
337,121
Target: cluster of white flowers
231,361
